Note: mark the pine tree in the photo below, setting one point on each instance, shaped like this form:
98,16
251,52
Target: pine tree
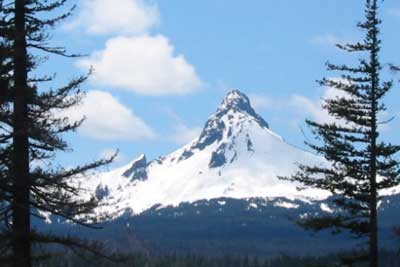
31,130
360,163
5,133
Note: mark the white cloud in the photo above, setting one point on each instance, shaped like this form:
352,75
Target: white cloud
108,119
133,59
116,17
143,64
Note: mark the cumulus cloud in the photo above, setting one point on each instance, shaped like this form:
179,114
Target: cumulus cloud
133,59
108,119
143,64
106,17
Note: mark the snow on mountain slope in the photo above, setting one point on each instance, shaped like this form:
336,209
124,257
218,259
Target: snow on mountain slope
236,156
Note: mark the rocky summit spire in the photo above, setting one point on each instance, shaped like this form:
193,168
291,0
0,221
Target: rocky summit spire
234,112
237,101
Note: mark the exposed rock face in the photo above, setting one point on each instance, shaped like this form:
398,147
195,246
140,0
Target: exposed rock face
234,103
137,171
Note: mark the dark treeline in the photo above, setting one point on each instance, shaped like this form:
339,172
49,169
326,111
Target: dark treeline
388,259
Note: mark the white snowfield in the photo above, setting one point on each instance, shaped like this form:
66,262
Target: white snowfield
236,156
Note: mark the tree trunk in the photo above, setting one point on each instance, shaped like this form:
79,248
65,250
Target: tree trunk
373,242
373,220
20,168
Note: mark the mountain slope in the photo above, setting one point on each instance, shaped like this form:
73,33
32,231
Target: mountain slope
236,156
219,194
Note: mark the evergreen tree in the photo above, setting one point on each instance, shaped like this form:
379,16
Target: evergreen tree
360,163
5,134
31,131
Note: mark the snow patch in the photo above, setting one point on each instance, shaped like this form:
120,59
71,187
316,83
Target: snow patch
46,215
286,205
253,205
326,208
222,203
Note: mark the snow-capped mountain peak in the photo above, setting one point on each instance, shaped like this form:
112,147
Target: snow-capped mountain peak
236,101
234,116
236,155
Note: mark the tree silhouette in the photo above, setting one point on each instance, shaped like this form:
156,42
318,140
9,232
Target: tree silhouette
31,132
360,164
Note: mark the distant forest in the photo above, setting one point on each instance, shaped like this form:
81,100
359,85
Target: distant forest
387,259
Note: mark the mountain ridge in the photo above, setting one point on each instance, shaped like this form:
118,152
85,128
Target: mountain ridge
236,155
218,193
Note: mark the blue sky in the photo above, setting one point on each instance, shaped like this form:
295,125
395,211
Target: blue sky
162,67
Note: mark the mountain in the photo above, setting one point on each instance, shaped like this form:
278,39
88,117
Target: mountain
237,155
220,194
